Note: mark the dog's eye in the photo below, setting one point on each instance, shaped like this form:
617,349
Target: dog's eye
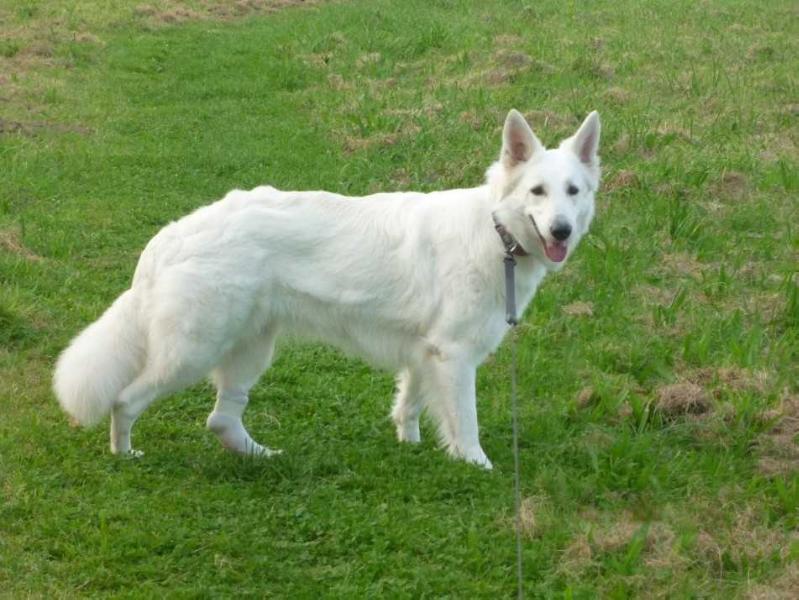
572,190
538,190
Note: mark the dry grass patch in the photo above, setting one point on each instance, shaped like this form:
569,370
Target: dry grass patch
36,35
679,399
777,145
549,119
682,263
778,446
33,128
652,295
586,397
741,541
507,39
782,587
505,66
622,145
579,309
730,378
577,556
674,130
617,95
371,58
429,108
176,15
622,179
472,119
532,516
337,82
10,241
658,544
731,186
748,539
353,143
738,535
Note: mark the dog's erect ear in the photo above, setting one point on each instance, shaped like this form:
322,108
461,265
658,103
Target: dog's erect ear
518,141
585,143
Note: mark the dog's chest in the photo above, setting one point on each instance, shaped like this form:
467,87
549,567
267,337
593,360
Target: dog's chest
480,312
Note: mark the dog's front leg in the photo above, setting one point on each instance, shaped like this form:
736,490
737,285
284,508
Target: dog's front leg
455,406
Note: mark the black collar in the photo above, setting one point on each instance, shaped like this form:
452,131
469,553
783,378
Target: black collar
512,246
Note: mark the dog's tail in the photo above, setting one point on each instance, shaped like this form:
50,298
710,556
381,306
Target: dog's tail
100,362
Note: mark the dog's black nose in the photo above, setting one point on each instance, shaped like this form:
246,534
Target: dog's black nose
560,230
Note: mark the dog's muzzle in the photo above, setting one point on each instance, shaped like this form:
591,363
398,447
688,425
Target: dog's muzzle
556,250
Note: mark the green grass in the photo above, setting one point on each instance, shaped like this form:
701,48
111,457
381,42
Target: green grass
123,123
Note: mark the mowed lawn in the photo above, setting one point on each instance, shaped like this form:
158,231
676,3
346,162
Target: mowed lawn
658,371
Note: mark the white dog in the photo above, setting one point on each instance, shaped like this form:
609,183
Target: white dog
411,282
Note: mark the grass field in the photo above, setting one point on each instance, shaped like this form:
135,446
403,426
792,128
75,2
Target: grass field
659,370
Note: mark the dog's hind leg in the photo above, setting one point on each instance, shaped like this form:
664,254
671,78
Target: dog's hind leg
135,398
132,401
234,376
408,405
153,383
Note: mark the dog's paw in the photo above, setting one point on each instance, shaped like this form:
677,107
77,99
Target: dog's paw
409,433
482,462
131,454
264,452
476,457
253,449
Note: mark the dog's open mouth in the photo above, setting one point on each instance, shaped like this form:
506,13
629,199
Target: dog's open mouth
556,251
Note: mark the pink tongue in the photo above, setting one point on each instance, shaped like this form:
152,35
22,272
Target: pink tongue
556,252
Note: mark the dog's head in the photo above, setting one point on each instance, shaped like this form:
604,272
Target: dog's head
546,197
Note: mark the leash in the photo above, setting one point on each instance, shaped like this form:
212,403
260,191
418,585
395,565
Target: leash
512,249
510,317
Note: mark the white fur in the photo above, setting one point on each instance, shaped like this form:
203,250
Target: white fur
411,282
